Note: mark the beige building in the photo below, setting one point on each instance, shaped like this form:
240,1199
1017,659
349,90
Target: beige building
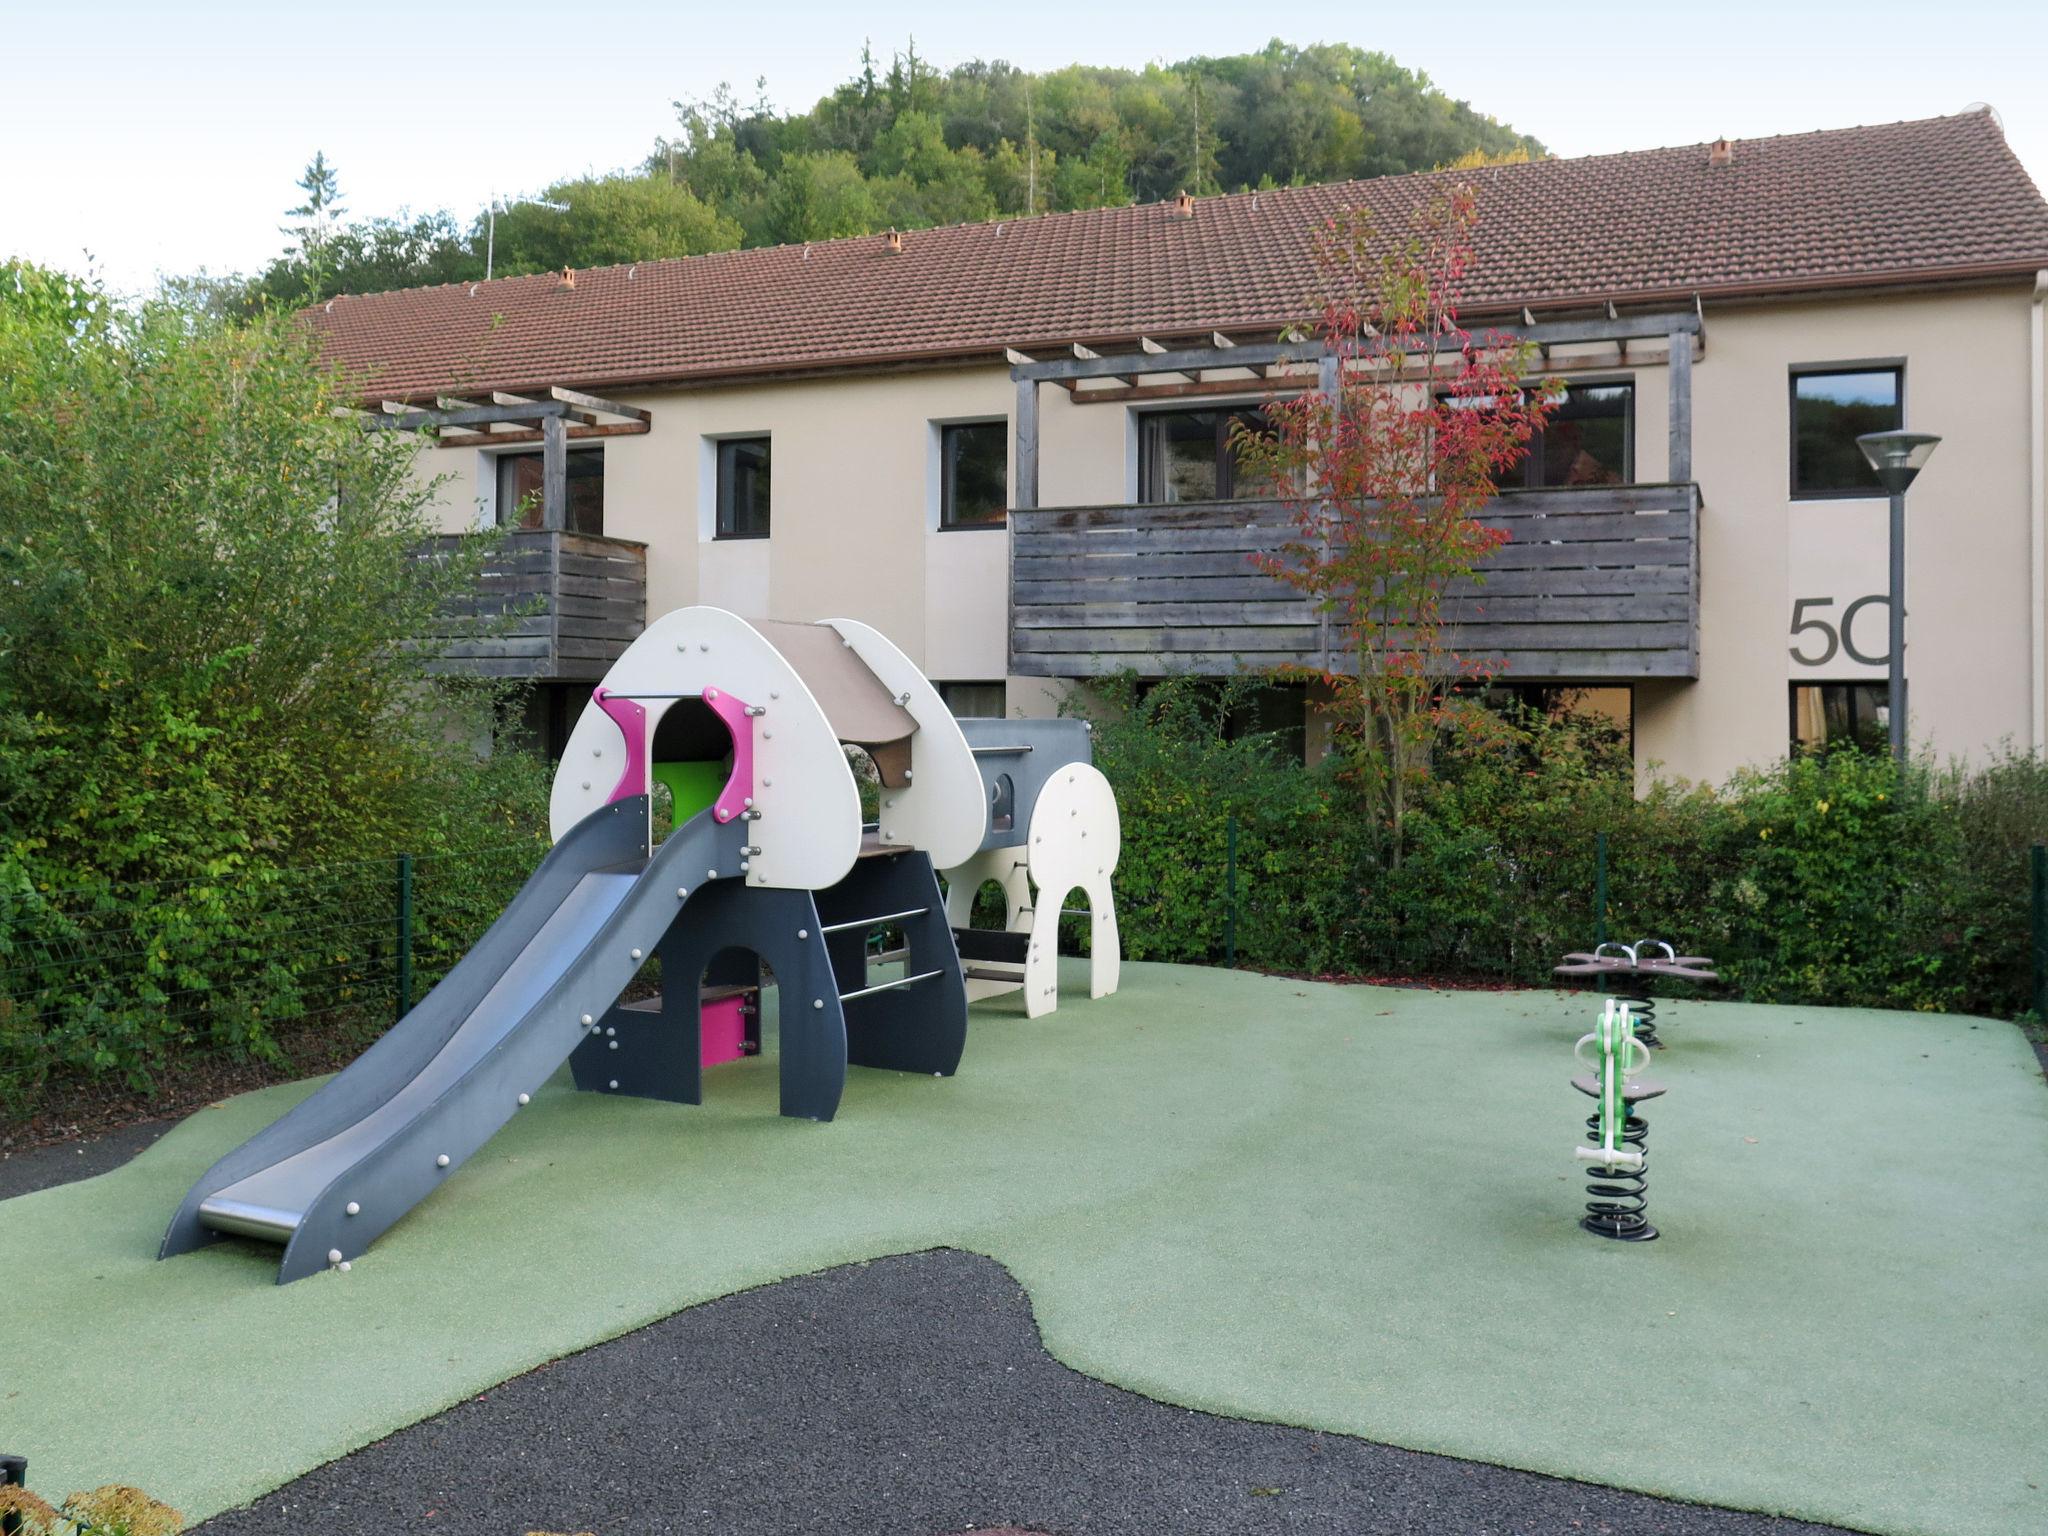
1006,445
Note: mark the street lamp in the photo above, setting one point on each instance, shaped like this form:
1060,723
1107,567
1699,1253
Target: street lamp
1897,457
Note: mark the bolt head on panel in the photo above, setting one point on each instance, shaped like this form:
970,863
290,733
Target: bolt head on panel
524,1100
615,1082
636,954
441,1161
342,1266
615,1045
588,1021
353,1209
803,933
334,1255
817,1002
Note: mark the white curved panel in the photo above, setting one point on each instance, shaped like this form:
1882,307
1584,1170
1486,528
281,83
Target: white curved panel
809,831
943,809
1074,842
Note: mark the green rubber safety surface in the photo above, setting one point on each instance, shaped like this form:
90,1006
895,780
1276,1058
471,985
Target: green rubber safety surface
1246,1194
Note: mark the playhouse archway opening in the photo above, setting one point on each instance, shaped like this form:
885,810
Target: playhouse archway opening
729,996
692,756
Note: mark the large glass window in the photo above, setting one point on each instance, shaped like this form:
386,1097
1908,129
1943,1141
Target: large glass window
520,491
974,474
1831,408
1840,714
743,488
1588,440
1186,456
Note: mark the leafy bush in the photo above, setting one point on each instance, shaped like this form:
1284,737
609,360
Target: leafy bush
1821,879
217,722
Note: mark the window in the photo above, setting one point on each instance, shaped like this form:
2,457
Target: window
1828,715
974,474
1588,440
973,701
1831,408
519,491
1279,711
1186,456
743,488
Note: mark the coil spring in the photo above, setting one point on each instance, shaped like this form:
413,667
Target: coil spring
1644,1008
1616,1198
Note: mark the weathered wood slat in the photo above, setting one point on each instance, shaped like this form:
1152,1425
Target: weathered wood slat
1466,611
1258,586
1556,502
1588,666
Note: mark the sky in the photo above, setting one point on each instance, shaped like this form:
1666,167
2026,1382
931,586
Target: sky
163,138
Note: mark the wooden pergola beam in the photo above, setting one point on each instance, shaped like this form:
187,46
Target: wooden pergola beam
593,403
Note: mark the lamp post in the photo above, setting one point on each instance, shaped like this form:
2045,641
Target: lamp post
1897,457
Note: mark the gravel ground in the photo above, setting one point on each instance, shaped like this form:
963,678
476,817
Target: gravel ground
907,1395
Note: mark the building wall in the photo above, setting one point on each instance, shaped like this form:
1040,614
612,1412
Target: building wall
855,490
1968,552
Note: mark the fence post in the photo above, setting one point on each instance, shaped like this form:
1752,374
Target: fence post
404,934
1230,894
1600,894
2038,869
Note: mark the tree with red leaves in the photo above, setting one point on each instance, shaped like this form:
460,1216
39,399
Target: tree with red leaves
1386,477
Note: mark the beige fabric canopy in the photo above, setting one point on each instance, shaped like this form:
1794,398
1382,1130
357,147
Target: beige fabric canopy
859,707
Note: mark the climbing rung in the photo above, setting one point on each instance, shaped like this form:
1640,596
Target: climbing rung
1001,751
889,986
874,922
1075,912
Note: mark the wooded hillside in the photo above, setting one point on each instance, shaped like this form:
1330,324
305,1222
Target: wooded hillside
909,146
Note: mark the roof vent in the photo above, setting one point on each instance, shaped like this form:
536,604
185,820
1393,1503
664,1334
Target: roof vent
567,279
1721,152
895,240
1184,205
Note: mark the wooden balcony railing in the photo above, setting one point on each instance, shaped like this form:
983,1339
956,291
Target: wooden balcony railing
587,597
1595,584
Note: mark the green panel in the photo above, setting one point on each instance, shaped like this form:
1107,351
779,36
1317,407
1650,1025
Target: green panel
692,787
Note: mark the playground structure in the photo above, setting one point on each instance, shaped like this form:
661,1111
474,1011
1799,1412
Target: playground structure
1636,966
1620,1158
746,725
1052,830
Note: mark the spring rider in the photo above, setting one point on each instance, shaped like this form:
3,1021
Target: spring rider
1619,1163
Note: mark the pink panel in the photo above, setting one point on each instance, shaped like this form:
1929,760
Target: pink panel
631,719
738,793
724,1034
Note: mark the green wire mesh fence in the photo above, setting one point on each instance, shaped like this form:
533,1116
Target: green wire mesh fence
109,979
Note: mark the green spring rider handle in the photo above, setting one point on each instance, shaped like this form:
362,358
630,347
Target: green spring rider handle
1620,1057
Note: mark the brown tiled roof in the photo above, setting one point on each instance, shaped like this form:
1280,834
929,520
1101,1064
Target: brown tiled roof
1937,200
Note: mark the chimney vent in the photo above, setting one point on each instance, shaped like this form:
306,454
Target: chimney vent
895,241
567,280
1184,205
1721,152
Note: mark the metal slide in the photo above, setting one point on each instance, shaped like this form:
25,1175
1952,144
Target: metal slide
340,1168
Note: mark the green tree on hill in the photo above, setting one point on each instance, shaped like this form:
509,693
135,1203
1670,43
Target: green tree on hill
911,146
